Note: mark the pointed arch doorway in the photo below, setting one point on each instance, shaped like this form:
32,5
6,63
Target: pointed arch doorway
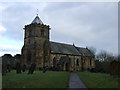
67,66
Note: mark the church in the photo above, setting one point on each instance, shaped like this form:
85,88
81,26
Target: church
40,50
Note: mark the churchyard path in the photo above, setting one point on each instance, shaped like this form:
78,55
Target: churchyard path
75,82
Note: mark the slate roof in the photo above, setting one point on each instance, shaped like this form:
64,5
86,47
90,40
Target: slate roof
61,48
37,20
85,51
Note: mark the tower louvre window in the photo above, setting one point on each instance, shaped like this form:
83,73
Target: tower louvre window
42,33
30,33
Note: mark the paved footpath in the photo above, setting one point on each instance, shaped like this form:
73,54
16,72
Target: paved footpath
75,82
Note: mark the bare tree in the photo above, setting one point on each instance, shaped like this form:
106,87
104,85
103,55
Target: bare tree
104,56
103,60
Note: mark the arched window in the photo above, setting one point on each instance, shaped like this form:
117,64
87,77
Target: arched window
54,61
83,60
90,62
42,32
77,62
29,41
70,61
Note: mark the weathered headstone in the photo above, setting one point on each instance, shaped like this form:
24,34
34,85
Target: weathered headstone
32,68
92,70
4,67
8,67
24,68
40,69
18,68
44,69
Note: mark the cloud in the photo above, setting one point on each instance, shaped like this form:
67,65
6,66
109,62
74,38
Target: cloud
85,24
2,29
93,24
9,49
9,46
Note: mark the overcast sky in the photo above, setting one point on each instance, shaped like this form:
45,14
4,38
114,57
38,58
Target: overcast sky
91,24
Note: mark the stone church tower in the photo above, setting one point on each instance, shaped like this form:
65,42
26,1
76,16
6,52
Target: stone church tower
40,50
36,48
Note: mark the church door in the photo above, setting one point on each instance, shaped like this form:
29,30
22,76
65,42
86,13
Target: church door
67,66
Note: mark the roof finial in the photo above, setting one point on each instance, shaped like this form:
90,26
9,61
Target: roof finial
37,12
86,47
73,44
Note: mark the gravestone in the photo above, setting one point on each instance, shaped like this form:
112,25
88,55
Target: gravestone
40,69
24,68
92,70
18,68
8,67
114,68
4,68
32,68
44,69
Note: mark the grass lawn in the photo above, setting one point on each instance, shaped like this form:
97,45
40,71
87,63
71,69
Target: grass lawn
98,80
50,79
